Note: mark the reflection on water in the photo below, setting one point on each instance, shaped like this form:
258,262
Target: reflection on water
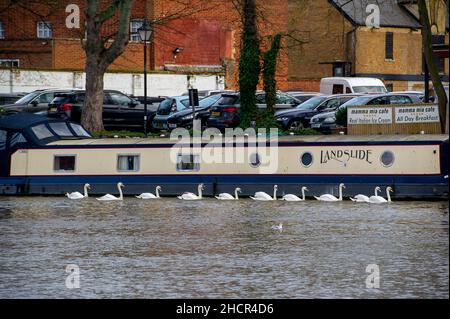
169,248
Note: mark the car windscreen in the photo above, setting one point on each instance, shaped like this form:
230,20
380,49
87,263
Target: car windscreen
27,98
228,100
208,101
369,89
312,103
303,98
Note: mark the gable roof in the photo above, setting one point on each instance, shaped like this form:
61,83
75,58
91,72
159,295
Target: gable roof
392,14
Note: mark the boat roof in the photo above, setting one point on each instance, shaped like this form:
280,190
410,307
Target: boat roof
22,120
282,139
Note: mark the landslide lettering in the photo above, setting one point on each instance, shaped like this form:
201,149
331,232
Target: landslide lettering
345,155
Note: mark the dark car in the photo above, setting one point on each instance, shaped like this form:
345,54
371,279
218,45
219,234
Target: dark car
184,118
119,110
166,109
324,122
225,113
34,102
10,98
299,117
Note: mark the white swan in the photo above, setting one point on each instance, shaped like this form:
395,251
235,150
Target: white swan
294,198
192,196
331,198
78,195
226,196
278,227
109,197
264,196
378,199
150,195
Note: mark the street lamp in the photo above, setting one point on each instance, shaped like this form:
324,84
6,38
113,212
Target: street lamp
145,32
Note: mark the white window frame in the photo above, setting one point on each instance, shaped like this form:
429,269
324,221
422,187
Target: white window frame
134,33
44,30
137,163
2,30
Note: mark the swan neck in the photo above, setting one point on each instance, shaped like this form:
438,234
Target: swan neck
120,191
388,195
236,194
274,193
199,192
340,192
303,194
85,191
157,192
376,192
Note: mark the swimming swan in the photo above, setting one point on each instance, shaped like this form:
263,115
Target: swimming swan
294,198
78,195
378,199
109,197
226,196
331,198
150,195
192,196
262,196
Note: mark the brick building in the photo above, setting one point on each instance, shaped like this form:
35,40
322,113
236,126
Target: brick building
327,37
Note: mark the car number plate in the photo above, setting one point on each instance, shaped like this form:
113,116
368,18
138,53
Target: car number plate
215,113
53,109
315,125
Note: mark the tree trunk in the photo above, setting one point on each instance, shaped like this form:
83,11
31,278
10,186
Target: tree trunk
431,63
91,116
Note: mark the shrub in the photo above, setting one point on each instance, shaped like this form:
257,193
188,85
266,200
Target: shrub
341,116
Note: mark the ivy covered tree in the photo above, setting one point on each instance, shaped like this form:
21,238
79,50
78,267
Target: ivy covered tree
249,62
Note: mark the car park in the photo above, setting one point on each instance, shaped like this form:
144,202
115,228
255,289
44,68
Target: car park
35,102
299,117
119,110
326,121
184,118
225,113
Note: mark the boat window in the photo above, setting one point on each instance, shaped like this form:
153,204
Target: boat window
64,163
61,129
17,138
306,159
387,158
128,163
79,130
2,139
255,160
188,162
41,131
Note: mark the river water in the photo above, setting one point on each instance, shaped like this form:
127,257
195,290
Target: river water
170,248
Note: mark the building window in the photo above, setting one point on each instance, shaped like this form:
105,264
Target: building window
128,163
188,162
389,46
440,62
44,30
64,163
135,24
2,31
9,63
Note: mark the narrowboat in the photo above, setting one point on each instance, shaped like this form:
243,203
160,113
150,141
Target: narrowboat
51,156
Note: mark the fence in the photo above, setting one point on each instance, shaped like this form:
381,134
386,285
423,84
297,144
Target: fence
393,119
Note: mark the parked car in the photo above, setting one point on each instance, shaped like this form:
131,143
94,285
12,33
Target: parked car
184,118
225,113
205,93
34,102
119,110
299,117
324,122
10,98
345,85
303,96
168,108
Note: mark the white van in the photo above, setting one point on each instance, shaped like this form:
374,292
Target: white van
341,85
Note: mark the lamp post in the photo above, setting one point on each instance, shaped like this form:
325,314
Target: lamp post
145,32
